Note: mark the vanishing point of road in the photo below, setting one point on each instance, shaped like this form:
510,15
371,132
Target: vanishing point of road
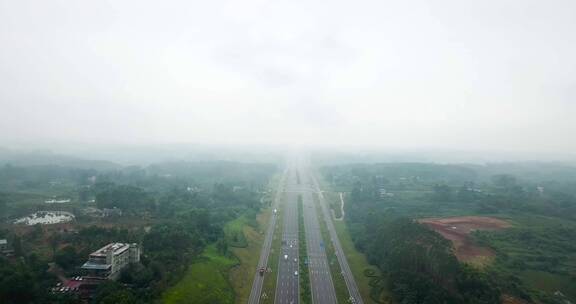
299,181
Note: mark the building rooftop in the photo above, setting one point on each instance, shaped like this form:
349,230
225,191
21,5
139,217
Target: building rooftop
92,265
116,248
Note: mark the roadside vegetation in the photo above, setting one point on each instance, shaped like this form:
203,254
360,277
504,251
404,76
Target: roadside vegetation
205,281
333,200
271,275
367,276
240,275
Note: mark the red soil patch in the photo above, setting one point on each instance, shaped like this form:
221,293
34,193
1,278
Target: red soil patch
458,229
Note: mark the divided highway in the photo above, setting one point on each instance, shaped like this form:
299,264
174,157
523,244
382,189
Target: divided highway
299,181
321,283
287,283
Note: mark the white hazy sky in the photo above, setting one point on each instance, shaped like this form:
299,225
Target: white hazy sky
457,74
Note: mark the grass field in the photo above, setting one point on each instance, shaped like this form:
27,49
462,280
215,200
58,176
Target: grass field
242,274
205,282
217,278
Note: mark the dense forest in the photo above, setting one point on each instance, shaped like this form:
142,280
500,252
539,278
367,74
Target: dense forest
384,202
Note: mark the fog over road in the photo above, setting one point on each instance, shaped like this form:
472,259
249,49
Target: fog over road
321,283
287,287
299,181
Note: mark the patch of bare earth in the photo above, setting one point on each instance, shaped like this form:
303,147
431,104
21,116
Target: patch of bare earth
458,229
508,299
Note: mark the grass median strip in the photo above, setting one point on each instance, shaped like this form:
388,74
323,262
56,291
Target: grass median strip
305,292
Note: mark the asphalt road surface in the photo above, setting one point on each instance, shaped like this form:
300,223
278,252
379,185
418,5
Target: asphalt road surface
320,279
346,272
287,287
299,180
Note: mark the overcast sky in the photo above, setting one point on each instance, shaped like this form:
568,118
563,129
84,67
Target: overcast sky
454,74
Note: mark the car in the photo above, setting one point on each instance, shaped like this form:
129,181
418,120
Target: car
295,273
285,256
295,260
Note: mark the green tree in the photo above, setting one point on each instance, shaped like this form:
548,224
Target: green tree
68,258
442,193
17,245
120,297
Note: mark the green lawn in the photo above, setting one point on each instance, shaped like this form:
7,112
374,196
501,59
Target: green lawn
242,275
205,282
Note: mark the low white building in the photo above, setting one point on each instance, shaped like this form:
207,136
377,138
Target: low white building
57,201
109,261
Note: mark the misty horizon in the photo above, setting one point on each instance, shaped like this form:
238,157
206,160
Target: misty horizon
412,76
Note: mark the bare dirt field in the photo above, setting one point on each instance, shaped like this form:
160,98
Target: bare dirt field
458,229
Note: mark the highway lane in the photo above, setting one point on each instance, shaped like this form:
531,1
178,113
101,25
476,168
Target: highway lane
346,272
256,291
321,284
299,180
287,283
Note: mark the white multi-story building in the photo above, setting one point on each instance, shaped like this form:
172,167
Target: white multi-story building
108,261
